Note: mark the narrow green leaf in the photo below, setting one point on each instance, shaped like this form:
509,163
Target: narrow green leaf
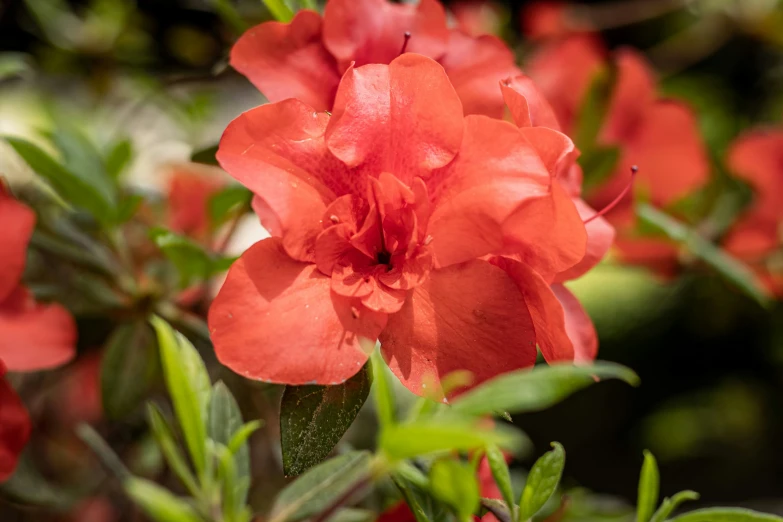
14,65
541,482
188,384
538,388
226,10
223,204
67,184
242,434
649,484
83,159
96,443
191,260
593,108
158,503
736,272
670,504
225,420
168,447
412,500
384,396
233,487
205,156
404,441
499,469
455,483
726,515
129,368
598,164
128,206
278,9
321,485
313,419
118,157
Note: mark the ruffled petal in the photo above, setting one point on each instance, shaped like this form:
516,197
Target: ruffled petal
373,31
475,66
470,317
496,173
18,222
600,237
578,325
527,104
278,152
545,310
289,61
34,336
277,320
404,118
14,427
757,157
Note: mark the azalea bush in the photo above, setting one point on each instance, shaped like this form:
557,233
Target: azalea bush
354,260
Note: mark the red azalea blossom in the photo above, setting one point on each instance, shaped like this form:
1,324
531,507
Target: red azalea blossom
477,17
549,19
757,158
305,59
33,336
190,187
660,136
394,214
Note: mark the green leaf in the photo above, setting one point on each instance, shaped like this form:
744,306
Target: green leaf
726,515
129,368
28,485
14,64
670,504
593,108
188,384
598,164
118,157
158,503
499,469
313,419
727,266
649,484
168,447
404,441
384,396
225,420
242,434
279,10
498,508
320,486
455,483
223,204
420,504
541,482
205,156
96,443
537,388
191,260
128,206
67,184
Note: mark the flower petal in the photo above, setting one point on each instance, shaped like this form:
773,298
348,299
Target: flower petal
289,61
14,427
633,93
277,320
545,310
373,31
278,152
18,222
404,118
527,104
495,173
469,316
190,187
578,325
600,237
475,66
34,336
757,157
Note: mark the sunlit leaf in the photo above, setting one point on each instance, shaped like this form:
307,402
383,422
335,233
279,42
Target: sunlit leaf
670,504
159,503
225,420
648,489
314,418
500,473
118,157
168,447
383,394
455,483
222,203
541,482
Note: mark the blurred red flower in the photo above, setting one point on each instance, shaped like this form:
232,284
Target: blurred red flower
305,59
33,336
477,17
757,158
190,188
393,213
658,135
549,19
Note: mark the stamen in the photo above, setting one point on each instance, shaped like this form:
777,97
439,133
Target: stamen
615,201
334,219
407,37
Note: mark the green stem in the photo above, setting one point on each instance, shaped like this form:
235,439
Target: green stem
280,11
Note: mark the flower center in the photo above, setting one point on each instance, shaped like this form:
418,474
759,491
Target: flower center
384,258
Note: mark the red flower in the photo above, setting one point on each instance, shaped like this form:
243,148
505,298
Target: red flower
306,58
549,19
532,113
757,158
389,212
477,17
190,187
660,136
32,336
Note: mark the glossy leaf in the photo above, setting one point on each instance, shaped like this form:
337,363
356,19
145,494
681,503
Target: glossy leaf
320,486
500,473
726,515
313,419
383,394
168,447
538,388
541,482
670,504
454,483
188,384
649,485
225,420
129,368
158,503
